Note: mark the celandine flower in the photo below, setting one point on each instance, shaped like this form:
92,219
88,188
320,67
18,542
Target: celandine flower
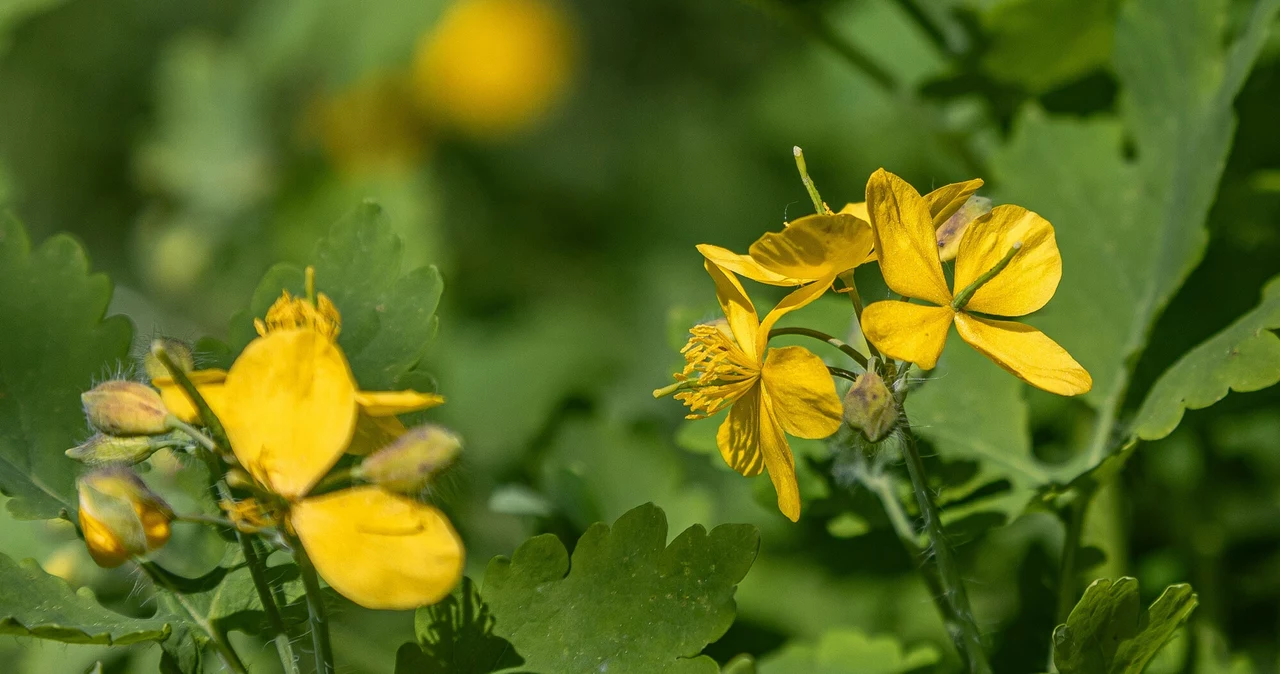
290,408
1007,265
120,518
769,392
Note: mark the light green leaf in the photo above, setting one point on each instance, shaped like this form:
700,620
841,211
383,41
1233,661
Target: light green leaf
55,343
628,604
1081,32
388,317
1108,632
34,603
1130,231
1243,357
845,651
456,636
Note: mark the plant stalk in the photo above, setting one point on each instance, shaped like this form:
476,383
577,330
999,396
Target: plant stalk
226,653
257,570
816,334
315,612
964,629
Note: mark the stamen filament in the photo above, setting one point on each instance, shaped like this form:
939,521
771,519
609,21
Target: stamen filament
962,298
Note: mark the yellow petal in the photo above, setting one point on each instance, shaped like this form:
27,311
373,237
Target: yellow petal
290,408
815,246
858,210
1027,353
739,435
737,307
208,383
946,200
796,299
804,397
390,403
911,332
904,239
1031,277
778,459
743,265
380,550
374,433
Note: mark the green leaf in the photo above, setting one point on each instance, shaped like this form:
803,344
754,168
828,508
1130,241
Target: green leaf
1130,231
1108,632
388,317
456,636
1080,31
1243,357
846,651
628,604
54,344
34,603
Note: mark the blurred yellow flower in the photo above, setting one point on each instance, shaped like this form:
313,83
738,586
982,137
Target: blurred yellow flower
1007,265
371,126
290,408
769,392
494,67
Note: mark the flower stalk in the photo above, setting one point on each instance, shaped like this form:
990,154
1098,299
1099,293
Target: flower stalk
316,615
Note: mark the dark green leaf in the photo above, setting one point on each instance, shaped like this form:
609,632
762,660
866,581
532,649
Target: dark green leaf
1243,357
53,346
1108,632
628,604
388,317
456,636
33,603
1080,31
845,651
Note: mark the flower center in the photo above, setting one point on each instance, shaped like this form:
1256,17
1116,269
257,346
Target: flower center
716,371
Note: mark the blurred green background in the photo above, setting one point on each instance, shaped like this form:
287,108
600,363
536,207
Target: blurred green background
558,160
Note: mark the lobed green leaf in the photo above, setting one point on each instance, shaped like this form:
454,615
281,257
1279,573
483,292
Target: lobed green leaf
846,651
1108,632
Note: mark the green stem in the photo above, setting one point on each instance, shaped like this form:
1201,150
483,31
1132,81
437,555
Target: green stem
815,334
257,570
964,628
315,611
228,654
207,417
842,373
962,298
1074,521
338,479
195,433
851,289
819,206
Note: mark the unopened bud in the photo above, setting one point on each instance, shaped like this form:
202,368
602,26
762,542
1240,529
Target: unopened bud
869,406
123,407
177,351
239,478
951,231
120,517
102,449
410,462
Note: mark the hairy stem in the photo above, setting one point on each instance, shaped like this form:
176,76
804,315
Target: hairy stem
963,628
258,571
315,612
226,653
816,334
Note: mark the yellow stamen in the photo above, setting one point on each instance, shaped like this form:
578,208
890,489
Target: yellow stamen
716,372
291,312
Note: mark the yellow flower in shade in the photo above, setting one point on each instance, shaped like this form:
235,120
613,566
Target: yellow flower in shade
1007,265
493,67
290,408
120,518
769,392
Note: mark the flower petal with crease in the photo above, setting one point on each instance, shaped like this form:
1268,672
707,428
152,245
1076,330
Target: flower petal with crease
1027,353
1032,276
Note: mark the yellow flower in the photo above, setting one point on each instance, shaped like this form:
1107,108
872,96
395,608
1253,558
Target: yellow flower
290,408
1007,265
120,518
952,207
493,67
768,391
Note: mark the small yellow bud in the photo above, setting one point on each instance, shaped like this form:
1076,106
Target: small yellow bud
102,449
239,478
122,407
870,407
120,517
178,352
410,462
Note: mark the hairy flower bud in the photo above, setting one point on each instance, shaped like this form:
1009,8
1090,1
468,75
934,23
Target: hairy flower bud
122,407
120,517
178,352
410,462
101,449
870,407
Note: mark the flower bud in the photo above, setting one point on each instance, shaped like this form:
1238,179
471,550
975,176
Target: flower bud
122,407
178,352
870,407
407,464
120,517
102,449
951,231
